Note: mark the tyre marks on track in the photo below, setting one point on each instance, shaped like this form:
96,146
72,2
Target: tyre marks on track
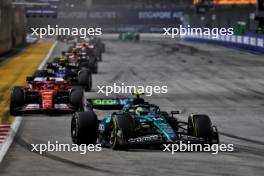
24,144
242,138
246,148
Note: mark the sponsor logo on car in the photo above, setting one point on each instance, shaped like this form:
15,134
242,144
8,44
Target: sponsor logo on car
61,106
144,139
32,106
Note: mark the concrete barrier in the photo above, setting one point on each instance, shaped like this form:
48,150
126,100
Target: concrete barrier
251,42
12,22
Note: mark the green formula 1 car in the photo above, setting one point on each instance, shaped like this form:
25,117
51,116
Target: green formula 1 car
138,124
129,36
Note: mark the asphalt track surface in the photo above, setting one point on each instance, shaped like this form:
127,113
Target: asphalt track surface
225,83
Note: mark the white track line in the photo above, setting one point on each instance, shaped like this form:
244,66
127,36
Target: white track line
10,137
48,56
15,126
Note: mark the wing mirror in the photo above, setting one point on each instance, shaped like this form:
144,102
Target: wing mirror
175,112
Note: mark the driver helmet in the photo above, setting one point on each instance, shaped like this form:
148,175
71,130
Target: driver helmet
141,110
62,59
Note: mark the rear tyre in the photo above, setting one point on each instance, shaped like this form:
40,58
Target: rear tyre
76,98
17,100
103,47
95,67
84,128
200,126
85,79
137,37
84,65
100,57
123,127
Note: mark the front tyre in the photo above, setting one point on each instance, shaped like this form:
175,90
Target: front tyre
17,100
84,128
200,126
85,79
76,98
123,127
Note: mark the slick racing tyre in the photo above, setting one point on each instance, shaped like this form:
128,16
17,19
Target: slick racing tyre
95,67
200,126
85,79
137,37
76,98
84,65
123,127
84,128
94,64
17,100
100,57
103,47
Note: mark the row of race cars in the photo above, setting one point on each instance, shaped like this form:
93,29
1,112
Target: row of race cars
127,123
59,86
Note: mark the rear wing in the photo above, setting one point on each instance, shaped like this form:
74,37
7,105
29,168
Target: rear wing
109,103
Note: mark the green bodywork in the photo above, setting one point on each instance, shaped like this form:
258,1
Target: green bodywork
129,36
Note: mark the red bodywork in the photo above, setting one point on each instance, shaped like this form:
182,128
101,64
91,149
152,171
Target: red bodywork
47,99
42,93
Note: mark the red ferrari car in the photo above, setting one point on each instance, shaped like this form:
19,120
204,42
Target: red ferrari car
45,95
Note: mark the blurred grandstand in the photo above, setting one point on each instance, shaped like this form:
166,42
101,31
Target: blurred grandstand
142,4
152,15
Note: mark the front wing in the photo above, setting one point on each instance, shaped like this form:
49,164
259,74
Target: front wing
36,108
